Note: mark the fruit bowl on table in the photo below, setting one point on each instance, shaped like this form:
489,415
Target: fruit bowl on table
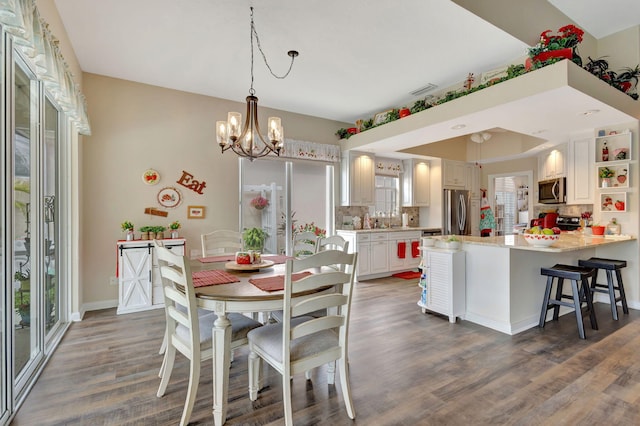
541,240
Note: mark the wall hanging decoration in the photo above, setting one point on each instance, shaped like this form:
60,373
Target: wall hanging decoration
169,197
155,212
195,212
150,177
189,182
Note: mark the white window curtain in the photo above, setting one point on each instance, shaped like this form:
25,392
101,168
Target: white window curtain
310,151
32,36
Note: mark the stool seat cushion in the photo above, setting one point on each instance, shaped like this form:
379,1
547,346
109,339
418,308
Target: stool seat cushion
600,263
569,272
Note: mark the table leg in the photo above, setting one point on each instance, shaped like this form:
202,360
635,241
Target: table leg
221,365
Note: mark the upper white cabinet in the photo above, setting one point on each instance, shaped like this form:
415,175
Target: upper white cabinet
472,177
358,179
551,164
580,178
454,174
416,183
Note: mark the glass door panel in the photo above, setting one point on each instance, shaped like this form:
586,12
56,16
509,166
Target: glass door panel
262,201
50,225
25,342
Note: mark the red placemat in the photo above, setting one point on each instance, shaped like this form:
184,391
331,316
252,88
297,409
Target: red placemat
205,278
221,258
275,283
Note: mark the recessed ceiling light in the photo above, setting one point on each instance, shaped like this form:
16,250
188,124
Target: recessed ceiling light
537,132
459,126
590,112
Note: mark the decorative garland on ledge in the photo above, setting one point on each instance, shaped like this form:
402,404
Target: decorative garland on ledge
597,67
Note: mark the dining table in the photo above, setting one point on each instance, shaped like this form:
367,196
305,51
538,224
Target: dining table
242,297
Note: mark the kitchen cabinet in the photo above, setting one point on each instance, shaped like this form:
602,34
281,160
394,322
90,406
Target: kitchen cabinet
357,179
551,164
372,248
454,174
139,280
580,166
416,183
475,216
472,180
443,282
401,255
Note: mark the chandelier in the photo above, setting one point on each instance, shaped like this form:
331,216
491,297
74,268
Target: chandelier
246,140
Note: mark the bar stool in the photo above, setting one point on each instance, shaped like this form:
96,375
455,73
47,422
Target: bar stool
609,265
579,294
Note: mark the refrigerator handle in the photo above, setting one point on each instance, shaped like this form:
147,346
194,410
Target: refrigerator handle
462,214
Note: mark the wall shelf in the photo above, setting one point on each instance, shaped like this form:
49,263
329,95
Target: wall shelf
613,202
620,179
618,145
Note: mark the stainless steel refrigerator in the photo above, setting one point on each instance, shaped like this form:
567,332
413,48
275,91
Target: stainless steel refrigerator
455,212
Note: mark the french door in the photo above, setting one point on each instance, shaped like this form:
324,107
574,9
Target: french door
33,287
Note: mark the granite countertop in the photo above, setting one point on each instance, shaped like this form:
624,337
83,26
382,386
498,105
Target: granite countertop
567,241
393,229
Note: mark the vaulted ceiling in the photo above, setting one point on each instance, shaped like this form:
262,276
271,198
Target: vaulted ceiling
357,57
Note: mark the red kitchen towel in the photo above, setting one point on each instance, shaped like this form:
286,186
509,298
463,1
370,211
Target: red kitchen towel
402,249
414,249
275,283
205,278
221,258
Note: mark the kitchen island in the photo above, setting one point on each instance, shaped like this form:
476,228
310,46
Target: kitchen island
504,288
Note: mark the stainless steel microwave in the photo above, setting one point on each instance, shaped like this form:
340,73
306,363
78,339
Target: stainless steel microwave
552,191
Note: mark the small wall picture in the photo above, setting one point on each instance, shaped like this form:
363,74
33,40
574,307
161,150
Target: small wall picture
195,212
381,117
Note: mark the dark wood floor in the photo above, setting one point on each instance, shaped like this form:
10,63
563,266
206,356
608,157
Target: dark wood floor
407,368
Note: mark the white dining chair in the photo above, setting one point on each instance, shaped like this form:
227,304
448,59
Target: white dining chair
334,242
304,244
300,343
220,242
186,331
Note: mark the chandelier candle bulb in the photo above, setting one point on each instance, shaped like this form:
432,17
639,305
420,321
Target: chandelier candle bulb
234,119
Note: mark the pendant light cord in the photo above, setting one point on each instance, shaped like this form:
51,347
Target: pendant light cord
291,53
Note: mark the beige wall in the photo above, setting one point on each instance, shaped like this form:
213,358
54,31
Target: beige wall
136,127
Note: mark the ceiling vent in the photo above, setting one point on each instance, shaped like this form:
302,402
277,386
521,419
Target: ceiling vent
421,91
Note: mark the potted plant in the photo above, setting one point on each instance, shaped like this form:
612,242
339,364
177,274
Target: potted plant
253,239
627,78
144,232
552,48
127,227
259,202
24,277
159,232
606,174
174,226
24,309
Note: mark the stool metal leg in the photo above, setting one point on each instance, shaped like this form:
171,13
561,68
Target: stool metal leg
623,296
545,302
577,304
589,298
559,291
612,295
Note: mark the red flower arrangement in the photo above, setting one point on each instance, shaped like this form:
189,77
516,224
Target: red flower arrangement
569,37
259,202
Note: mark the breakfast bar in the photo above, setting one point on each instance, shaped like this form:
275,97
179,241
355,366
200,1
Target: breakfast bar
504,288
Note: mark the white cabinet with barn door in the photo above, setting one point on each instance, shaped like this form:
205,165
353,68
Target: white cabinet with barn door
139,281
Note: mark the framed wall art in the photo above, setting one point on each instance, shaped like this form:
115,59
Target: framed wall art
195,212
381,117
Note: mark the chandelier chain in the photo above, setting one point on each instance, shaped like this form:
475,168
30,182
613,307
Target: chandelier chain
254,32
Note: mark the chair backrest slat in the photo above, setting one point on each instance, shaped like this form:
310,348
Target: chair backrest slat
222,241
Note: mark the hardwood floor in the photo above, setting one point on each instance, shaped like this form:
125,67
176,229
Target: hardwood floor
407,368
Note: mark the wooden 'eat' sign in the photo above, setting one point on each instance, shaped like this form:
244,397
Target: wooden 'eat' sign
189,182
155,212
